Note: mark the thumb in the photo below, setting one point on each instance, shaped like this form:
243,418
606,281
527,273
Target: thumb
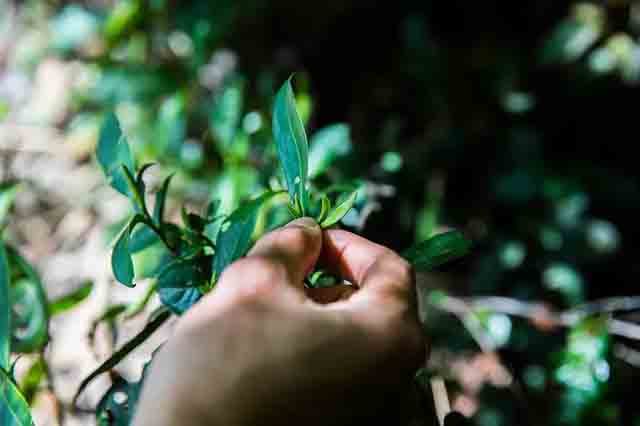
296,246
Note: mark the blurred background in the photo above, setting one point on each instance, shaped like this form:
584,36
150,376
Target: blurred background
511,121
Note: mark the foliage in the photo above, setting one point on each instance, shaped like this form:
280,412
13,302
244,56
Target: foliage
499,121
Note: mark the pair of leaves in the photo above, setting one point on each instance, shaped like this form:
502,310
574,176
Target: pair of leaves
293,154
438,250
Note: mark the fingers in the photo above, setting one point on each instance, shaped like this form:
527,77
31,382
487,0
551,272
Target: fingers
369,266
295,247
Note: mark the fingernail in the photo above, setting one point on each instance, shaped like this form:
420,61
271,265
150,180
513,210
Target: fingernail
305,222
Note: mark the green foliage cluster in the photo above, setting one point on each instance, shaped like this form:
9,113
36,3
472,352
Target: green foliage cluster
508,137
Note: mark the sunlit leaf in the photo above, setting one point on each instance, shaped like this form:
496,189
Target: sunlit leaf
339,211
234,241
14,410
73,27
70,300
327,145
291,144
113,152
438,250
123,16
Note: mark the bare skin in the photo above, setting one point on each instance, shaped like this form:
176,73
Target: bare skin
262,350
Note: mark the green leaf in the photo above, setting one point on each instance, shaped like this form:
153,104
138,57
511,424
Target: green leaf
291,144
70,300
30,383
113,152
8,192
438,250
30,316
121,262
339,211
5,311
126,349
14,410
161,199
178,285
123,16
142,238
327,145
234,241
227,113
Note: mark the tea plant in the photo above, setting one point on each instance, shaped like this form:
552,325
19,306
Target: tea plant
197,251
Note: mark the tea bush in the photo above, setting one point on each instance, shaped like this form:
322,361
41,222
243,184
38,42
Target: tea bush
506,121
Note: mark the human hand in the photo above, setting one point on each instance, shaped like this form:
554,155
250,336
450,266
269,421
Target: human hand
261,349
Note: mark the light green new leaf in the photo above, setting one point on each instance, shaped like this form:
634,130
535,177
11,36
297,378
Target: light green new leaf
438,250
121,262
71,300
327,145
5,311
14,410
233,241
113,152
291,144
339,211
30,383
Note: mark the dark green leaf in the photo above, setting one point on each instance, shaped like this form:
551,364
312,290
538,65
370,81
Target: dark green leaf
136,341
161,199
291,144
234,241
178,285
339,211
113,152
5,311
14,410
438,250
327,145
71,300
121,262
